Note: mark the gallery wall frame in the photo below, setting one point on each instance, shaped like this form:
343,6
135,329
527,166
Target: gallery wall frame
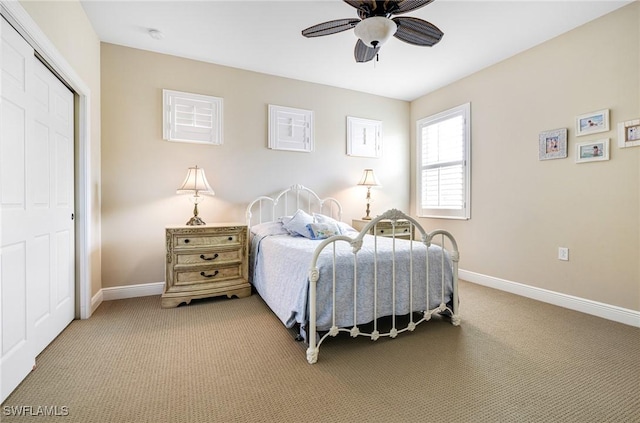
552,144
629,133
592,151
592,123
364,137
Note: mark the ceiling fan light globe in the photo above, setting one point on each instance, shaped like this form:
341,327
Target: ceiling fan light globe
375,31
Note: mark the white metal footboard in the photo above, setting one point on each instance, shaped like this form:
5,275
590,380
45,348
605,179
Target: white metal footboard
441,237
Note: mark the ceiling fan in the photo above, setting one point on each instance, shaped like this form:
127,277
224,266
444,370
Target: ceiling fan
376,26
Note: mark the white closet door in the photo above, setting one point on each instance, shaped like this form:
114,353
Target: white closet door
18,355
50,201
36,206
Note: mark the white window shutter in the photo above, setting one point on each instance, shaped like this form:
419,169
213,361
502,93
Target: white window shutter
443,164
191,117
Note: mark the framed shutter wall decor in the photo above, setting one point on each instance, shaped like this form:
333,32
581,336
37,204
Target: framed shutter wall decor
189,117
290,129
364,137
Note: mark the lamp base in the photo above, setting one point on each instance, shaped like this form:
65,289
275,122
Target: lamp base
366,217
195,221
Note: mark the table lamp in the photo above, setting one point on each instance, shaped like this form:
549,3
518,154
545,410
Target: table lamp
195,184
369,180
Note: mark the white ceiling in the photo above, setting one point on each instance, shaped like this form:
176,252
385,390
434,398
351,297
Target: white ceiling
265,36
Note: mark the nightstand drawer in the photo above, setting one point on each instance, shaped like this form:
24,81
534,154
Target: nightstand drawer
208,274
210,257
401,228
196,241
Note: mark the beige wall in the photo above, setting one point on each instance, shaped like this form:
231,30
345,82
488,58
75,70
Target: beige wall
141,171
523,209
68,28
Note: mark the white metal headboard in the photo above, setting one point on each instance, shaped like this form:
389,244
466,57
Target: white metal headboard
267,209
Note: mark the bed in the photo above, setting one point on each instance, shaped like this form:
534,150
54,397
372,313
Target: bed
322,276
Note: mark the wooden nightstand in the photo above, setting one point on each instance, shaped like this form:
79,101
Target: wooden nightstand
403,228
205,261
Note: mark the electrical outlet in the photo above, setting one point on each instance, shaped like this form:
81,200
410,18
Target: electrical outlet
563,253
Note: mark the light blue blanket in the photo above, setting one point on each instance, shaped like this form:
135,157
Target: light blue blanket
280,273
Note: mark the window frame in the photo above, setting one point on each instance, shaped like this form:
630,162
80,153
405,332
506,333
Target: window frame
463,213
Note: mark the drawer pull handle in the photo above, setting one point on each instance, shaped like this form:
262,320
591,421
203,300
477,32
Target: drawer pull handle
381,231
209,276
186,241
215,256
230,238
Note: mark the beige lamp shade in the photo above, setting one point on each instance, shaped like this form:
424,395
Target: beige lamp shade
195,183
369,179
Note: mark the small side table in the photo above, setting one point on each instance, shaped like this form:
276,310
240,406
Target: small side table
205,261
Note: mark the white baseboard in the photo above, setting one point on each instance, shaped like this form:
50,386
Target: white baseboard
96,300
132,291
606,311
594,308
127,291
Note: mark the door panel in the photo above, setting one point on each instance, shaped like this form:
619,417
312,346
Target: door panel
40,154
64,166
37,237
64,273
12,153
14,298
18,357
54,111
41,277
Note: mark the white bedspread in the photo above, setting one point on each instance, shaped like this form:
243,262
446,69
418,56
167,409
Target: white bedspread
280,270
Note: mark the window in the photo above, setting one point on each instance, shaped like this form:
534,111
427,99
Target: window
443,167
192,117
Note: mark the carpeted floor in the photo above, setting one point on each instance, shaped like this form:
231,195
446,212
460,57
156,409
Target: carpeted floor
220,360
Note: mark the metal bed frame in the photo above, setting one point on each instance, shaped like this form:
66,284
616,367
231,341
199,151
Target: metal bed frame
299,197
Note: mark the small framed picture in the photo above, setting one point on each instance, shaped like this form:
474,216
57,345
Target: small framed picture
592,123
592,151
364,137
552,144
629,133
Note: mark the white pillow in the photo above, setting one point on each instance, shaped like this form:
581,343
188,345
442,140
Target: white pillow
322,230
298,223
268,228
284,219
323,218
343,227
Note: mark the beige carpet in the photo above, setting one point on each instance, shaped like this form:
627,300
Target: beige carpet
220,360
